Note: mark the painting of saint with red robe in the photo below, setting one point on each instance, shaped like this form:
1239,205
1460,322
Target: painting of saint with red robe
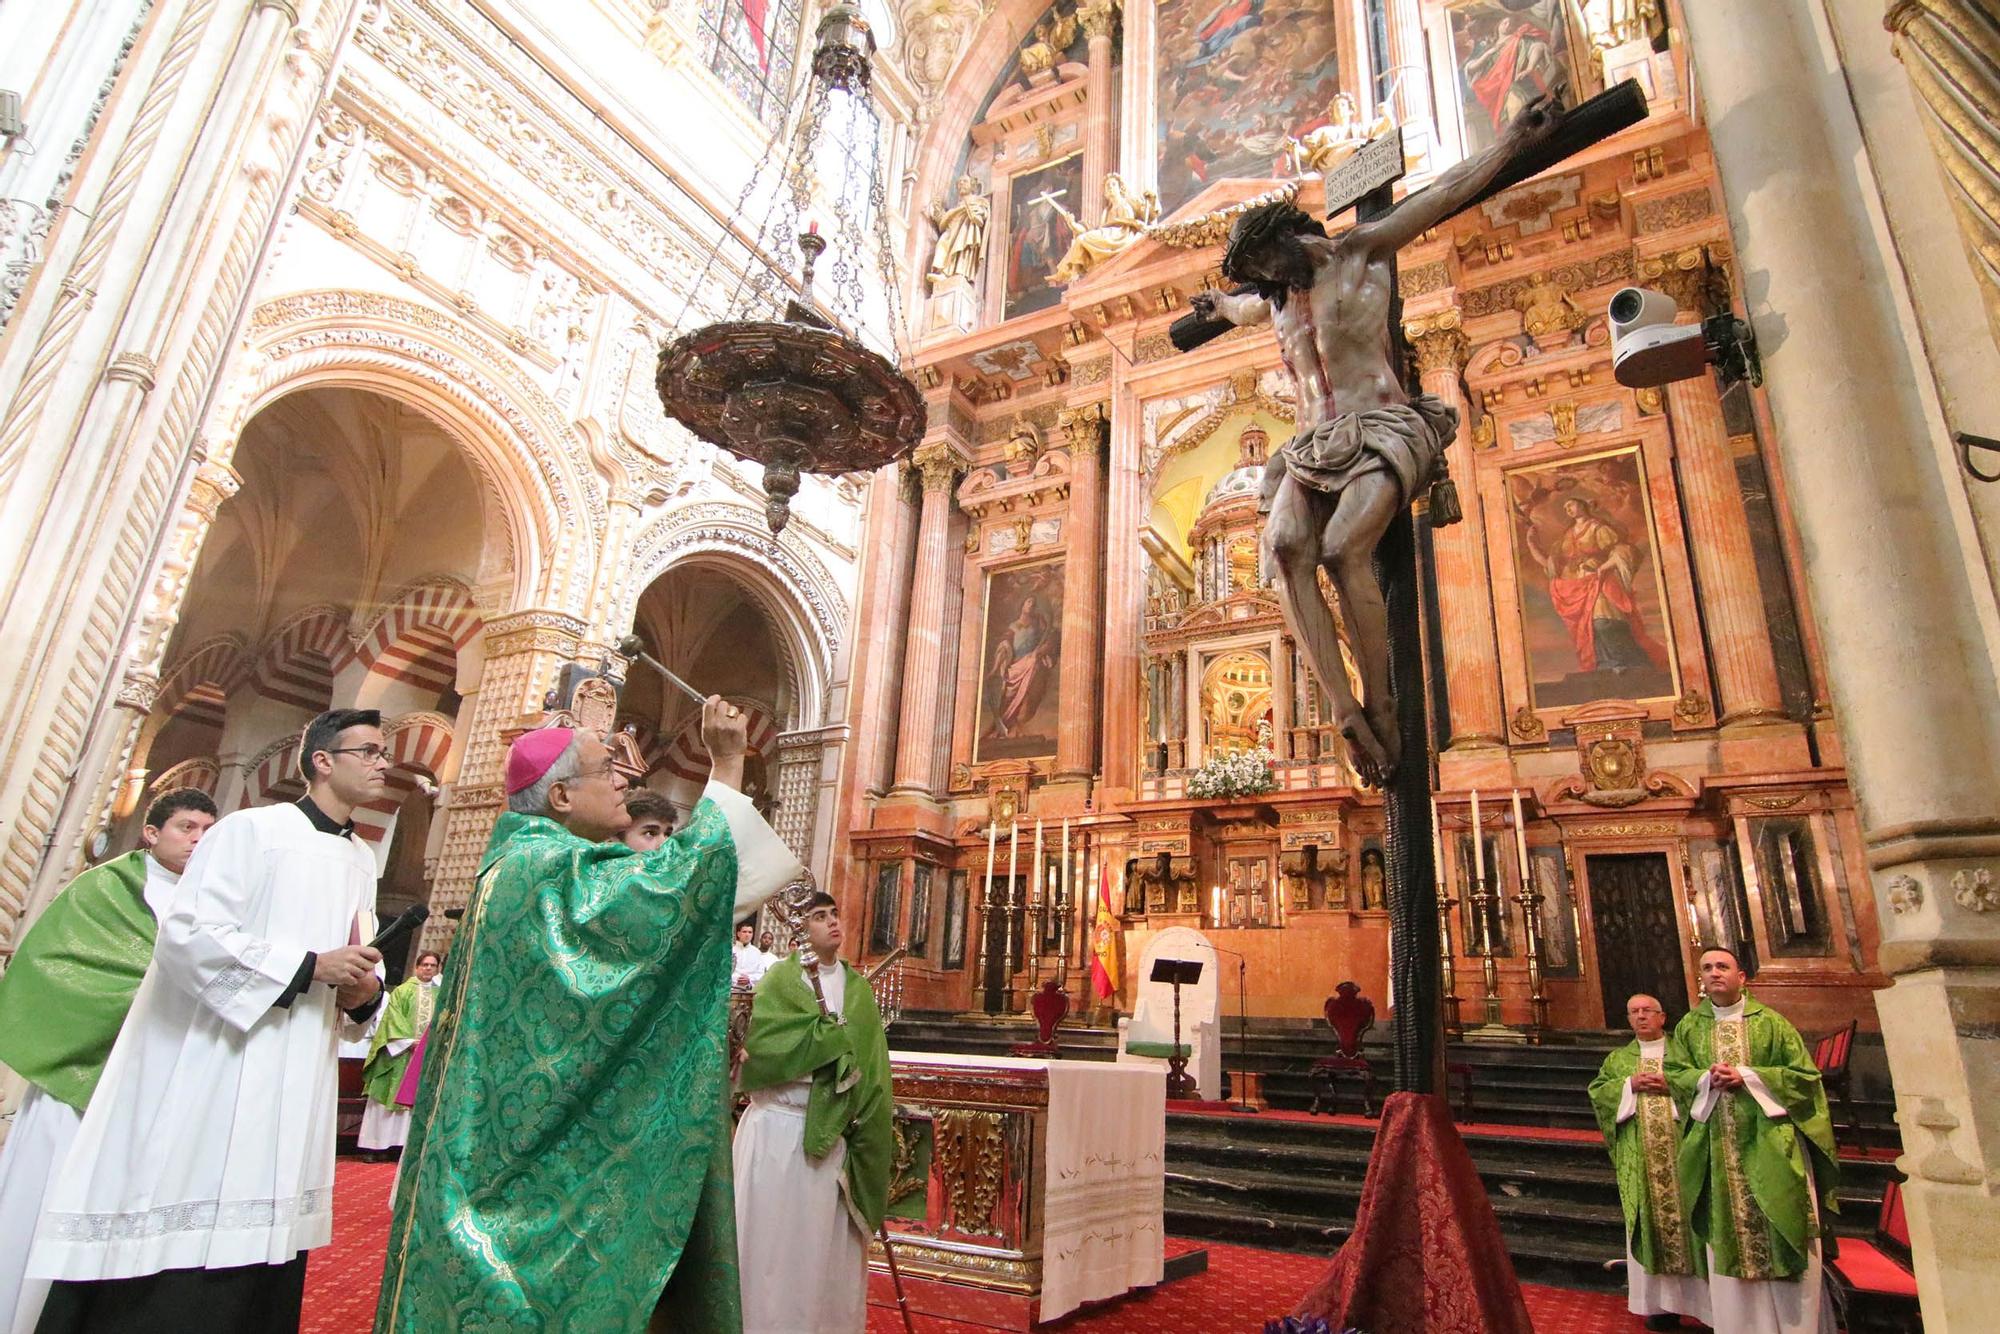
1591,599
1019,665
1509,52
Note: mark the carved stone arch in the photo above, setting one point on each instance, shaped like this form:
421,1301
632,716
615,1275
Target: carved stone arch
541,500
203,675
417,635
789,584
297,661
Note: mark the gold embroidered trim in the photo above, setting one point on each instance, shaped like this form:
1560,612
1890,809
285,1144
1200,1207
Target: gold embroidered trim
1659,1139
1753,1238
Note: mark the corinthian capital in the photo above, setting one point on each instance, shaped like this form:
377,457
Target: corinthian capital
1098,17
939,464
1696,277
1439,341
1085,427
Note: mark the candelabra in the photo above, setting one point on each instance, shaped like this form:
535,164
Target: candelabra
1531,914
1447,971
986,928
1489,966
1013,910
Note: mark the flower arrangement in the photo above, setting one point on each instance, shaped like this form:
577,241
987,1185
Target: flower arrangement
1240,773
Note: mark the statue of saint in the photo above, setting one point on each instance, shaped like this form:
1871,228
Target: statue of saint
1325,148
1126,216
961,229
1364,447
1053,36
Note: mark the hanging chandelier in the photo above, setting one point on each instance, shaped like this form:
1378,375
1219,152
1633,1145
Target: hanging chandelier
787,377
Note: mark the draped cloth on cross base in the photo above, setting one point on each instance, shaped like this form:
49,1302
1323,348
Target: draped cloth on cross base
1426,1252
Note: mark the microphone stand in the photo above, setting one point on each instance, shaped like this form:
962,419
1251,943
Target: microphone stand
1242,1028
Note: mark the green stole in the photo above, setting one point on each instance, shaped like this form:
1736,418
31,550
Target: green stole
65,995
569,1148
1644,1151
791,1036
1743,1174
404,1015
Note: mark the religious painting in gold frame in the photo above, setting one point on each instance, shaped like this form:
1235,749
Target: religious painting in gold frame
1509,52
1593,597
1037,234
1019,662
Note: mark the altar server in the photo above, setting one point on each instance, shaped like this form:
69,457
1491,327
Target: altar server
62,1001
1641,1125
385,1123
813,1152
568,1153
750,963
1757,1162
652,818
203,1170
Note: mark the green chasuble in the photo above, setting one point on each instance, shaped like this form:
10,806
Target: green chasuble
569,1147
1645,1150
404,1015
82,960
1744,1174
792,1037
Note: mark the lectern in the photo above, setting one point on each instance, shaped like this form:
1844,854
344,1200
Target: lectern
1178,973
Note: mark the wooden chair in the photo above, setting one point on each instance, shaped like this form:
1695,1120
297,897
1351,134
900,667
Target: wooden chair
1050,1006
1350,1015
1831,1055
1881,1290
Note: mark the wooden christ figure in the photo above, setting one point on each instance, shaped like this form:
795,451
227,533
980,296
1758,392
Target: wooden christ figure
1365,446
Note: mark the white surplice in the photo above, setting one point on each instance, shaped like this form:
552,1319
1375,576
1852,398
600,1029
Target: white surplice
800,1250
209,1140
1764,1306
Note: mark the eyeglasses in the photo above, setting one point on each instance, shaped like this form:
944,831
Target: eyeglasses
604,770
370,754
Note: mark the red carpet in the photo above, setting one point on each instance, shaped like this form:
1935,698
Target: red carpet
1242,1287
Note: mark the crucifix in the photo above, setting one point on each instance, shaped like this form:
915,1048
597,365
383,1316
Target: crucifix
1338,496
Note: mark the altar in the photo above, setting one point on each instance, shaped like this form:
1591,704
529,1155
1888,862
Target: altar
1023,1188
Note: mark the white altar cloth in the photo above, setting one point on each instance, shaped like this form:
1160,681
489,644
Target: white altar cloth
1104,1178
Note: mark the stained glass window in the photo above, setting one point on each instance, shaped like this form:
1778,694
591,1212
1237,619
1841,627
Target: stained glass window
762,83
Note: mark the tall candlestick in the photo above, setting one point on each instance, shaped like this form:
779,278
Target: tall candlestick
1035,884
992,836
1437,847
1013,909
1478,840
986,914
1014,848
1521,839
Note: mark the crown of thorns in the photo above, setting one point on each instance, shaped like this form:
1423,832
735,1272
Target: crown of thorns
1261,226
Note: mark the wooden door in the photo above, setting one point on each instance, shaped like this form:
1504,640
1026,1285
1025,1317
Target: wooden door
1637,935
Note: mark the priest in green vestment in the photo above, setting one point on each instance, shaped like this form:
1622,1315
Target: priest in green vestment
568,1159
1758,1167
1637,1113
814,1150
63,999
385,1123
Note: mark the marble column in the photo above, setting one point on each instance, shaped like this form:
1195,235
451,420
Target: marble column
1124,586
1732,602
885,668
919,772
1083,620
1099,18
1465,593
1893,562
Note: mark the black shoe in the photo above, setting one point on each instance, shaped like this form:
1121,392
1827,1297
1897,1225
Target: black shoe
1663,1322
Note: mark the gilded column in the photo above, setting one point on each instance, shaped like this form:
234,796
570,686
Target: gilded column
1083,543
1100,147
1732,603
1465,593
1951,51
918,770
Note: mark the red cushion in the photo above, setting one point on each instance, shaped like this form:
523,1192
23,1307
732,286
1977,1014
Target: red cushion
1867,1269
1894,1224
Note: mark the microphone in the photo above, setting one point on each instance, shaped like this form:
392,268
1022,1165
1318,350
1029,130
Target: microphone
409,920
454,914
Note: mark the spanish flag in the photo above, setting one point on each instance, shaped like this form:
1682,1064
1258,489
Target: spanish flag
1104,941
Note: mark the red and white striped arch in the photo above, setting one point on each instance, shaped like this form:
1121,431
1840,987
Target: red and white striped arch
687,757
197,686
417,639
296,666
274,774
419,743
201,772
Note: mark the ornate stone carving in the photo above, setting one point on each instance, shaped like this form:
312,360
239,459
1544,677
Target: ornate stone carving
939,464
1528,725
1051,37
1023,447
1549,314
1086,428
138,690
1611,761
1690,276
1906,895
1562,415
961,239
1974,889
934,33
1127,215
1439,341
1098,17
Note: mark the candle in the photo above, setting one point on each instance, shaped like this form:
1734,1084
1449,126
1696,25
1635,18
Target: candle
1013,852
992,835
1040,871
813,227
1521,839
1215,906
1062,885
1478,843
1437,848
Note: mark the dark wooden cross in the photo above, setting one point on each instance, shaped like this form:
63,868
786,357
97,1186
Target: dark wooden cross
1366,183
